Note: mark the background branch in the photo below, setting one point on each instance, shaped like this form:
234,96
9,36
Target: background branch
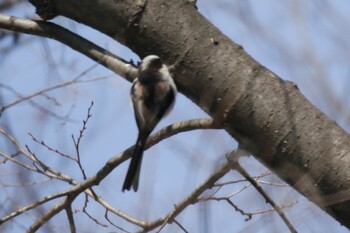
115,161
76,42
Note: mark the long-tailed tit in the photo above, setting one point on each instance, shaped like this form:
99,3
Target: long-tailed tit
153,94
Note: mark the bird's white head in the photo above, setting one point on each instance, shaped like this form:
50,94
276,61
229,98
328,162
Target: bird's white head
151,62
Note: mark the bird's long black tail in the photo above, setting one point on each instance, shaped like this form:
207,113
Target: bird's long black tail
132,176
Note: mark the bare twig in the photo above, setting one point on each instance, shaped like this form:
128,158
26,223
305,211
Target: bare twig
227,199
272,183
93,219
29,168
107,218
190,199
249,216
266,173
71,219
48,171
34,104
84,186
64,84
77,142
31,206
179,224
52,212
52,149
233,160
166,220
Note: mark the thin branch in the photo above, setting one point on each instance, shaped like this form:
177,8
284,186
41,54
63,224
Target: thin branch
93,219
272,209
46,170
52,212
34,104
52,149
29,168
76,42
166,220
227,199
107,218
266,173
183,126
71,219
190,199
181,227
113,210
233,160
272,183
249,216
31,206
108,168
28,97
77,142
52,173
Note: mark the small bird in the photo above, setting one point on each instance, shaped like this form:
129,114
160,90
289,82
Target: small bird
153,95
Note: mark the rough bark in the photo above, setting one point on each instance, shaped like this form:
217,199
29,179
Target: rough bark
266,115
